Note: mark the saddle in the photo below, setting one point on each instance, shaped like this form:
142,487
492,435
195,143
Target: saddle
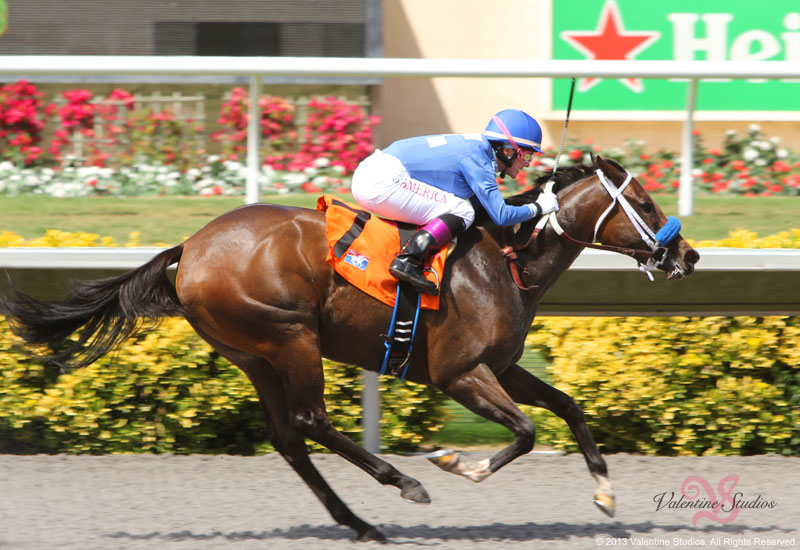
361,247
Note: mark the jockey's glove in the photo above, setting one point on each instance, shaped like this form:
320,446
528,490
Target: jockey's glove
545,203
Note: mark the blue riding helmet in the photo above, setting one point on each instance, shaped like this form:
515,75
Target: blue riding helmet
524,129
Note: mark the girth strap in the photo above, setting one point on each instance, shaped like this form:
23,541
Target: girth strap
399,342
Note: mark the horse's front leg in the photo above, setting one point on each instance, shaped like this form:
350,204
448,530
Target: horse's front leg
527,389
480,392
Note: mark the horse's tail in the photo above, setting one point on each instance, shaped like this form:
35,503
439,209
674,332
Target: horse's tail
108,311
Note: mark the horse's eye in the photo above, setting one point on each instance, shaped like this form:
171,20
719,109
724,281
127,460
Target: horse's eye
647,207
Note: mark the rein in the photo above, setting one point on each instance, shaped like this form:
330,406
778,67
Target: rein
657,242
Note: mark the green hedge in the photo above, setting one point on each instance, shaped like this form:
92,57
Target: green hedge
676,386
167,391
667,386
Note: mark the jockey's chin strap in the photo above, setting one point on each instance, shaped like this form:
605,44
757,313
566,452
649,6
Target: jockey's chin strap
657,242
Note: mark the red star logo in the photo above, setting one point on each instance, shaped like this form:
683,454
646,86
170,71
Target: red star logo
611,42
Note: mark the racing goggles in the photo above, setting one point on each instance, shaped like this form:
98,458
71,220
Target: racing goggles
526,156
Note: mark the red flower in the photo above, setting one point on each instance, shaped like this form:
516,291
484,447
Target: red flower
20,123
781,166
309,187
651,184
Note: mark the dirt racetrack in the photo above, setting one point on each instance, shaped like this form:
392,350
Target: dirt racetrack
236,503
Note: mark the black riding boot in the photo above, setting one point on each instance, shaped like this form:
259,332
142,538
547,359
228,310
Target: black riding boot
408,264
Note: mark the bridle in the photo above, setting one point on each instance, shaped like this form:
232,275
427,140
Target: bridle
657,242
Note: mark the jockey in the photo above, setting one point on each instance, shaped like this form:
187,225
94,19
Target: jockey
429,181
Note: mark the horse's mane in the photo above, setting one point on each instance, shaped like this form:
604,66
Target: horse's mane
562,178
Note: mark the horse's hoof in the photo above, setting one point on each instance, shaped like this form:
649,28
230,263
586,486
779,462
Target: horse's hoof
416,494
606,503
446,459
372,535
480,471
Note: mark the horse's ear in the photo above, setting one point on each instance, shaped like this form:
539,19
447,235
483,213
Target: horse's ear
600,162
594,158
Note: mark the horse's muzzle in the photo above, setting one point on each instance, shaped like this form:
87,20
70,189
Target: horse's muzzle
682,264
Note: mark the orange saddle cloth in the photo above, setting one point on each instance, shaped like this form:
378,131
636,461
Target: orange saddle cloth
362,246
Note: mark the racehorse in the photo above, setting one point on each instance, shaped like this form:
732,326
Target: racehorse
255,285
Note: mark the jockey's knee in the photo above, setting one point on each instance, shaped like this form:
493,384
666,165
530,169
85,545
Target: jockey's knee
463,210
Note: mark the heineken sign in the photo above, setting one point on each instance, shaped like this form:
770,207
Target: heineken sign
714,30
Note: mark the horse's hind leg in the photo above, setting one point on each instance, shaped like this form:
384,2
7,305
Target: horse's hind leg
288,441
291,445
527,389
304,382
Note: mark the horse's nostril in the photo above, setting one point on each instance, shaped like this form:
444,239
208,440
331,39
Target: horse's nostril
692,256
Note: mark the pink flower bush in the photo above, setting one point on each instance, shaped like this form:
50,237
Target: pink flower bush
21,122
315,147
750,165
338,131
125,134
278,133
335,130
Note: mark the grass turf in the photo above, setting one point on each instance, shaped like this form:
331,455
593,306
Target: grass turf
167,220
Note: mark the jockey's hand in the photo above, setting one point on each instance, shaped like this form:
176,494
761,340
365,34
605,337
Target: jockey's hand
545,203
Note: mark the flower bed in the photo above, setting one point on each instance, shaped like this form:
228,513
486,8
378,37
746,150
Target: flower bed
217,176
157,153
749,165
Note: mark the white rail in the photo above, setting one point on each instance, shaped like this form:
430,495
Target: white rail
258,67
389,67
92,258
